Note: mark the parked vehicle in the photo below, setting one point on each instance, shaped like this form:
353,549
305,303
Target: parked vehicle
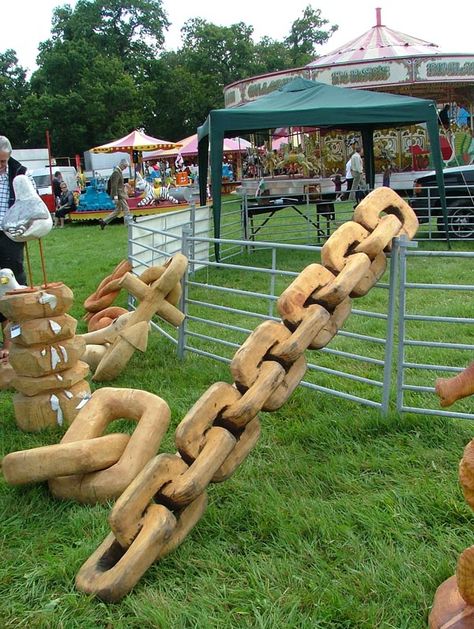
459,188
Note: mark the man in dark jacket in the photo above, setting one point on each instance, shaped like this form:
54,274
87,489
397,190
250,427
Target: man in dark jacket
118,194
11,253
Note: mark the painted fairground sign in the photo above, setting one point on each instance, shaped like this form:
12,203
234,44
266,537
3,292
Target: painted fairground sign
364,74
250,89
445,68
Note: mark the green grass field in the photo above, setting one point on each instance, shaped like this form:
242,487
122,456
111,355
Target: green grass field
338,519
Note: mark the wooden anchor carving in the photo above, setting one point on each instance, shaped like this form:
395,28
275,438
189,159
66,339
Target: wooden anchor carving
155,298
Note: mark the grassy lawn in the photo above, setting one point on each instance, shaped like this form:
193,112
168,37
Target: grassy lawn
338,519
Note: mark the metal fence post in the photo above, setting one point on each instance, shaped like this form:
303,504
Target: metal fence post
192,252
185,248
272,282
130,226
390,333
404,243
245,216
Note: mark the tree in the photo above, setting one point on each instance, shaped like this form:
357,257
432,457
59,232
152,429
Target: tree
271,56
222,53
91,81
13,91
133,30
92,100
103,72
305,34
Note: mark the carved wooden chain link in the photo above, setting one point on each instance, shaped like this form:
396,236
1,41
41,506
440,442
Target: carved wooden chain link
168,497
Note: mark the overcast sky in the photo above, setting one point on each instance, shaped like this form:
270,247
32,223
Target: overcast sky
26,23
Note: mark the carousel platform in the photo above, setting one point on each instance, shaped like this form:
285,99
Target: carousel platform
97,214
284,186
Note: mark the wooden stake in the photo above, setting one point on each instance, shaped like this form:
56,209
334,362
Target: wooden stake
28,264
43,266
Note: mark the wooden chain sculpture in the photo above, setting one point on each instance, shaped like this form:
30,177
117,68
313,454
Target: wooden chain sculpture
168,496
106,292
453,606
86,465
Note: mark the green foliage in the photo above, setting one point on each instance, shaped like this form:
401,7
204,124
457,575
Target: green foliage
305,34
103,72
14,90
132,30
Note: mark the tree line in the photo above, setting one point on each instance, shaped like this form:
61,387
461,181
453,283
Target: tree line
104,71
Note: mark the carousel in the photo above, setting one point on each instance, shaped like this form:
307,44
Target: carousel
383,60
94,203
234,151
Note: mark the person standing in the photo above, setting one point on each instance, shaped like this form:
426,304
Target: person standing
119,195
348,181
443,117
357,169
57,180
11,253
386,175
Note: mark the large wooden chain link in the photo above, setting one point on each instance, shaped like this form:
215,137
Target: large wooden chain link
168,497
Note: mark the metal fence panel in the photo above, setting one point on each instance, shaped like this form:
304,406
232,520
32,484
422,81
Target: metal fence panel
225,300
436,323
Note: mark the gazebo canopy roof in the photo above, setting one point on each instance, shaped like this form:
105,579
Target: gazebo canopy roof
135,141
379,42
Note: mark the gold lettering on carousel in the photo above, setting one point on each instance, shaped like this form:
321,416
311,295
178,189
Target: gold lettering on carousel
260,89
373,73
450,68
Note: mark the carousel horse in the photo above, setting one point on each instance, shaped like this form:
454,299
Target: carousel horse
293,162
152,195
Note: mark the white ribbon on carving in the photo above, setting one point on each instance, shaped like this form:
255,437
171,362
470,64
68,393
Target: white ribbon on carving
54,400
55,358
47,298
55,327
85,398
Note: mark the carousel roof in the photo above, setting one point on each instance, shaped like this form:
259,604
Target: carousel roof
379,42
135,141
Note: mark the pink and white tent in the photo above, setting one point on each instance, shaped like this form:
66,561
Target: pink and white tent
379,42
189,147
135,141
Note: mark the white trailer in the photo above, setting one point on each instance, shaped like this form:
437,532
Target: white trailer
32,158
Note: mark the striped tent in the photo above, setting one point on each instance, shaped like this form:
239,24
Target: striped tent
135,141
379,42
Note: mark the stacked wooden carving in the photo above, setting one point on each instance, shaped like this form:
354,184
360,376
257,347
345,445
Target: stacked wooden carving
45,353
168,496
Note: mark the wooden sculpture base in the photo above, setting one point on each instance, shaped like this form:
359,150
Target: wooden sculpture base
450,610
6,376
33,414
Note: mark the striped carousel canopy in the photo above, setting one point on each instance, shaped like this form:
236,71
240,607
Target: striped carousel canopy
135,141
379,42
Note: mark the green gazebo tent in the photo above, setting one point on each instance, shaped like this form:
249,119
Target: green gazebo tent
309,104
